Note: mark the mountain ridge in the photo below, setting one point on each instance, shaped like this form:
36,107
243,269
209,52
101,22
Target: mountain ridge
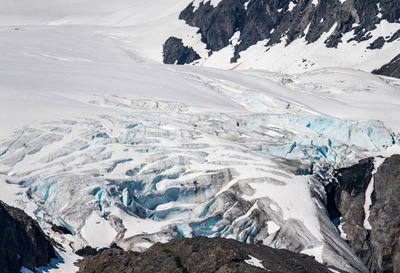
268,24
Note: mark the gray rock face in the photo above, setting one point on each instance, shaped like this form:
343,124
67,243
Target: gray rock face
176,53
216,25
22,241
385,217
378,247
391,69
200,254
257,20
350,200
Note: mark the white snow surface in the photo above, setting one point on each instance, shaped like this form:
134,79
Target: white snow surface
95,226
255,262
141,28
99,138
316,252
214,3
273,227
300,56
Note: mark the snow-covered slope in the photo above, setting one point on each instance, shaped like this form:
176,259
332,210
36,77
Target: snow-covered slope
97,138
141,27
291,36
367,40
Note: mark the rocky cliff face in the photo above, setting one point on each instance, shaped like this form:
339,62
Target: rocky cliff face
22,241
376,240
391,69
276,21
349,197
201,254
385,217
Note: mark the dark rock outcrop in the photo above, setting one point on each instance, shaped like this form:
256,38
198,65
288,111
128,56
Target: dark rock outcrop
176,53
395,36
216,24
385,217
391,69
200,254
377,44
378,246
350,199
86,251
61,230
22,241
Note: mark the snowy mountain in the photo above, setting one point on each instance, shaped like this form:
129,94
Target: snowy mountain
101,143
290,36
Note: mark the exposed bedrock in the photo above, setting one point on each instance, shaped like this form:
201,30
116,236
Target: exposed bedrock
276,20
22,241
176,53
391,69
201,254
369,214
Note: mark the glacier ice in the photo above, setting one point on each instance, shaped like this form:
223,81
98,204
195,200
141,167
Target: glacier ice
211,174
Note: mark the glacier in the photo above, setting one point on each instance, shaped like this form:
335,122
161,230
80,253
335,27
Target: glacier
97,138
241,176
